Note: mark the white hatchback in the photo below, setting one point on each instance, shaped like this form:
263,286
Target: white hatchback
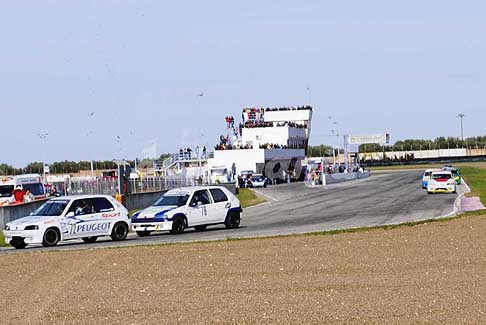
70,217
196,207
441,182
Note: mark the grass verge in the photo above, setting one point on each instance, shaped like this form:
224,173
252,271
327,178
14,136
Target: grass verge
476,179
248,198
2,240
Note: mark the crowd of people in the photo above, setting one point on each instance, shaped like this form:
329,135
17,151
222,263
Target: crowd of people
273,146
224,146
298,108
187,153
230,121
262,124
253,113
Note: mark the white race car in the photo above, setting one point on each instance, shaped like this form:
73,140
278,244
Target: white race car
196,207
70,217
441,182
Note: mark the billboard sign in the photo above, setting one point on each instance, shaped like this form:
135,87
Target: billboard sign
369,138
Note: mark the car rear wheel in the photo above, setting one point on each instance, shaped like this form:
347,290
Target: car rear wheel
200,228
51,237
18,243
143,233
119,232
90,240
178,226
232,220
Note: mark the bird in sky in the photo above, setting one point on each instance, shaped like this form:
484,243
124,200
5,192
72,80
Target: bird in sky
200,94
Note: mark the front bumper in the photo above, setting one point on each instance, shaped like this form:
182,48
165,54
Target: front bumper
29,236
441,189
152,226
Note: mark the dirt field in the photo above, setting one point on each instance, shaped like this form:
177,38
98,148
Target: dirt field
431,273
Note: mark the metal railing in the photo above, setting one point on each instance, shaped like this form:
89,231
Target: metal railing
134,186
98,186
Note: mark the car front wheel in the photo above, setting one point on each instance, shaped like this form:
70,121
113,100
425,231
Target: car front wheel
232,220
119,232
51,237
178,226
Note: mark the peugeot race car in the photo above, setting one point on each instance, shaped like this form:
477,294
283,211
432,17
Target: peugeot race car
455,174
64,218
441,182
426,177
257,180
183,208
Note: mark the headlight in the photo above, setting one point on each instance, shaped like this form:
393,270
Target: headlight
7,227
31,227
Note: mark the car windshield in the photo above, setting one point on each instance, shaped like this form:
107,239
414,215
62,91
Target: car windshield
171,200
52,208
6,190
428,173
441,176
455,172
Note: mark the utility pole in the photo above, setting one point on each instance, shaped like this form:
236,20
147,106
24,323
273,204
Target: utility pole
309,95
461,116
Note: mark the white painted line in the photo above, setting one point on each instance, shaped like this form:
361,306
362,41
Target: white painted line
457,202
265,195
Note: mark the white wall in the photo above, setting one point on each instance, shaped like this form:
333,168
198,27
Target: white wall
273,135
245,159
284,116
418,154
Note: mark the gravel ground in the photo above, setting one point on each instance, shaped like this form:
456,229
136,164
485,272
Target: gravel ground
431,273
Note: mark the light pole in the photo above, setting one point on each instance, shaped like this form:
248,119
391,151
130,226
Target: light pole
309,94
461,116
43,137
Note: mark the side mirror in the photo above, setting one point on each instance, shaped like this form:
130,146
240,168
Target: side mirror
199,203
70,214
31,214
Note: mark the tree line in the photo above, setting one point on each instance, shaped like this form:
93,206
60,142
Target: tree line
406,145
71,167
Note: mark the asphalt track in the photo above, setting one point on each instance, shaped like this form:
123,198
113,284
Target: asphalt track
383,199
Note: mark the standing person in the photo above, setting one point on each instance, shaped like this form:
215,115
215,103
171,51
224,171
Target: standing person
18,194
204,152
189,152
28,197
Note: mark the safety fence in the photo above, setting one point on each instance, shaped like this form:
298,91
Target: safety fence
132,186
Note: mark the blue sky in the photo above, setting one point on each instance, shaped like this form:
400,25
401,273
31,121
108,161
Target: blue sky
374,66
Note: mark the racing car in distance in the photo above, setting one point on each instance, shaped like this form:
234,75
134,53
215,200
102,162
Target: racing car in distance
257,180
455,174
426,177
441,182
188,207
83,217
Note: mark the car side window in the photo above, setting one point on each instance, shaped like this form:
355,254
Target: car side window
218,195
200,196
103,205
82,207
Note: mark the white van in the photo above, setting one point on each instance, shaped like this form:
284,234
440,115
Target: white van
31,182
